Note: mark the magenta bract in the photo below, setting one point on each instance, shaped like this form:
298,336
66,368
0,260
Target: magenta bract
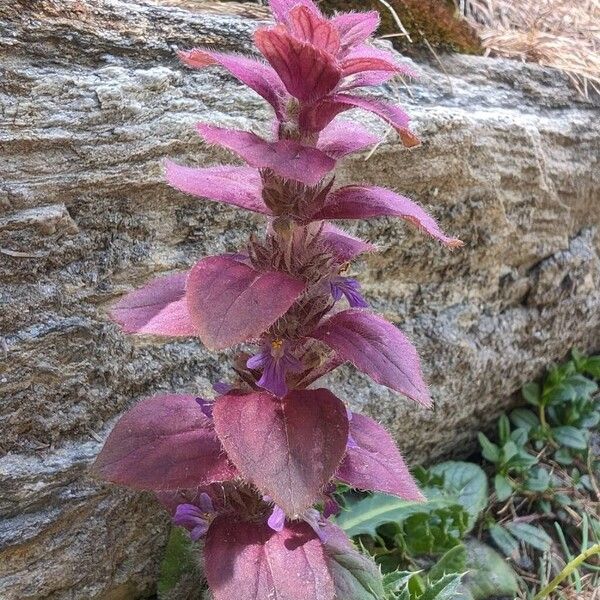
288,448
164,443
230,302
377,348
374,462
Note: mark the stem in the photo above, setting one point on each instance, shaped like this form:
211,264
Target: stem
543,417
568,570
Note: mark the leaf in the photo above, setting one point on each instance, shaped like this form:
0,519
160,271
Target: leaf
489,575
181,559
342,137
502,487
345,246
374,462
158,308
307,72
532,393
289,449
467,482
355,28
591,366
163,443
377,348
538,480
282,8
505,540
355,576
519,437
249,561
365,202
571,437
286,158
503,429
309,26
524,418
563,456
530,534
255,74
445,588
230,302
237,186
453,561
489,450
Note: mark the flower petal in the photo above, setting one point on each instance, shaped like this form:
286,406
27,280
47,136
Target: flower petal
368,58
365,202
290,448
342,137
286,158
253,73
164,443
238,186
374,463
377,348
158,308
281,8
343,245
230,302
307,72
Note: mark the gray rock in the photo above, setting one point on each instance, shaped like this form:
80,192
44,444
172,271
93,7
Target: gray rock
92,100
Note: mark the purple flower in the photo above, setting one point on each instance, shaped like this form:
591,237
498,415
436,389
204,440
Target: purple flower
206,406
277,519
195,518
350,288
276,361
310,516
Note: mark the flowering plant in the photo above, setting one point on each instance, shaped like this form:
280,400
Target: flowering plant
254,470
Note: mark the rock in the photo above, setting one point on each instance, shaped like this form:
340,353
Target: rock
93,99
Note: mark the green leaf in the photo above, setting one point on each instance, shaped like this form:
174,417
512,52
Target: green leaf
180,563
532,393
591,366
571,437
524,419
503,429
454,561
396,581
489,575
590,420
366,515
530,534
356,576
445,588
489,450
519,436
538,480
502,487
563,456
467,482
505,540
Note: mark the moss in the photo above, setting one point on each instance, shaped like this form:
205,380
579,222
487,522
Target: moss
431,20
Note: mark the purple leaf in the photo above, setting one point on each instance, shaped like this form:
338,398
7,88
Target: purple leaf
230,302
342,137
158,308
377,348
288,448
307,72
281,8
355,28
307,25
164,443
374,462
250,561
367,58
238,186
287,158
253,73
364,202
345,246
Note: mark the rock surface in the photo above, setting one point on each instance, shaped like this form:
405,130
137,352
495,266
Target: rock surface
92,99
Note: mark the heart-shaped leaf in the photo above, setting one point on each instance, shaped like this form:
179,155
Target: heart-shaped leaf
230,302
252,562
377,348
164,443
288,448
373,462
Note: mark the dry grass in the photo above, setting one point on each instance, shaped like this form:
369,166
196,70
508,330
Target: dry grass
563,34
